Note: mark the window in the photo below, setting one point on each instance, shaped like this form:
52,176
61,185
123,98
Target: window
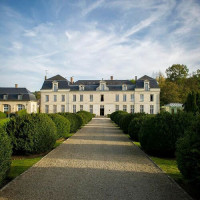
102,97
55,98
141,108
117,97
91,109
116,107
124,97
102,87
81,107
54,108
132,108
46,108
146,86
142,97
151,97
74,98
62,108
124,87
63,98
19,97
81,97
47,98
132,97
20,107
74,108
151,109
91,97
55,87
5,97
81,87
124,108
6,108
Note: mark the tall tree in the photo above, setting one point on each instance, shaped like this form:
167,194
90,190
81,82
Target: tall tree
190,104
177,72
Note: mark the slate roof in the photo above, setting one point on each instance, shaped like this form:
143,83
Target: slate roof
14,92
91,85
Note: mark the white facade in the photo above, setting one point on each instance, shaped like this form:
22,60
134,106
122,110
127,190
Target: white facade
102,101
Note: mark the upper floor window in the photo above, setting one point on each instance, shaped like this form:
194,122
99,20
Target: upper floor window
81,87
103,87
55,98
81,97
91,108
151,97
55,87
124,97
102,97
19,97
141,97
46,98
5,97
124,87
63,97
117,97
91,97
132,97
146,86
74,98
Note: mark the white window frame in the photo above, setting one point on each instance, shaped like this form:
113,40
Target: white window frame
116,107
141,97
91,109
146,86
55,98
74,108
47,98
63,98
91,97
132,110
132,97
151,109
81,107
125,108
124,97
74,98
20,107
81,97
54,108
6,108
5,97
46,108
62,108
117,97
141,108
20,97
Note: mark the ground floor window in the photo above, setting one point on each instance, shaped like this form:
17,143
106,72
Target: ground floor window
141,108
54,108
91,109
151,109
62,108
125,108
74,108
116,107
20,107
46,108
81,107
6,108
132,108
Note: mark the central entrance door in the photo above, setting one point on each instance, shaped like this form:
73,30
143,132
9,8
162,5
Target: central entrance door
101,110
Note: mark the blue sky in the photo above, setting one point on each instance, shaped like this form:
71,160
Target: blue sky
91,39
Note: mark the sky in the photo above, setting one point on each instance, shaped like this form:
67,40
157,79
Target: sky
95,39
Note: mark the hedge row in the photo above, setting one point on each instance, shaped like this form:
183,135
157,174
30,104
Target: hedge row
167,134
85,116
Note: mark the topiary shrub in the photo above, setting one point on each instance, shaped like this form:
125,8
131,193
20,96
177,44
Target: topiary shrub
86,116
2,115
62,125
5,154
118,115
34,133
75,121
158,136
188,153
135,125
21,112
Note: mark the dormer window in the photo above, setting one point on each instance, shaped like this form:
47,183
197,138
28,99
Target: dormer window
81,87
102,86
124,87
19,97
146,85
5,97
55,86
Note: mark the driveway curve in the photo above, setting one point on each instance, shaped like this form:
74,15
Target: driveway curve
99,162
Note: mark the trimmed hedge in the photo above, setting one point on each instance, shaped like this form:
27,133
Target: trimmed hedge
86,116
75,121
21,112
116,116
62,125
135,125
5,154
34,133
188,153
2,115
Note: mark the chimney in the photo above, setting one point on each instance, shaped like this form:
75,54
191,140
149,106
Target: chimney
135,78
45,78
16,85
72,80
111,78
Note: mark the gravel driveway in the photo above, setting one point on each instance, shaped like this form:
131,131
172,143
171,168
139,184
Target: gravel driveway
98,162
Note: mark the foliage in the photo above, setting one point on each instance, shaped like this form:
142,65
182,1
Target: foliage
135,125
192,103
117,116
75,121
158,135
37,94
35,133
62,125
2,115
86,116
4,121
188,153
5,154
21,112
